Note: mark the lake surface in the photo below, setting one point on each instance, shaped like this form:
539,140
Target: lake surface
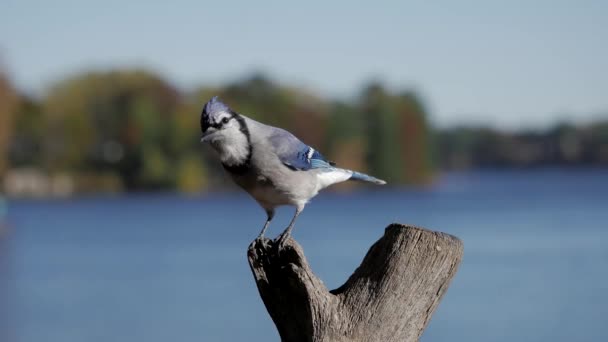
173,268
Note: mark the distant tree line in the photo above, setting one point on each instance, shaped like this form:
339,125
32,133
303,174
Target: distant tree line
132,130
561,145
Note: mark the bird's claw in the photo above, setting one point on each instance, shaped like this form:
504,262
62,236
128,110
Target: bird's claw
260,239
282,240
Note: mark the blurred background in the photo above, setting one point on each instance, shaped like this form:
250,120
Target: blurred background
488,119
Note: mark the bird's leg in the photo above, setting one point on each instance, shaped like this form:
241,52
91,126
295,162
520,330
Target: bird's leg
270,215
287,232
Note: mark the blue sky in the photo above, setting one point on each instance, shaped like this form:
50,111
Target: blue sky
507,63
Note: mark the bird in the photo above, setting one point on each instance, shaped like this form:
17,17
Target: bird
271,164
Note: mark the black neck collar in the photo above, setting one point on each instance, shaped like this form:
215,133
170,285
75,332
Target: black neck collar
244,166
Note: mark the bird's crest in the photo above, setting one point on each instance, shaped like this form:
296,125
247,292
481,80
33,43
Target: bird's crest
214,106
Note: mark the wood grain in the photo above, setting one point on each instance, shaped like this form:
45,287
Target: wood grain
391,296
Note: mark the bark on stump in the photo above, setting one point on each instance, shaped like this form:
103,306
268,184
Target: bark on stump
390,296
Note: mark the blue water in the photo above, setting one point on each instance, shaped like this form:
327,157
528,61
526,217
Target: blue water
173,268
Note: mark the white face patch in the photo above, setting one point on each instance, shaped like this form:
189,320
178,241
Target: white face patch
234,150
229,141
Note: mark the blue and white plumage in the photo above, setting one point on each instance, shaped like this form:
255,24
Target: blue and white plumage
271,164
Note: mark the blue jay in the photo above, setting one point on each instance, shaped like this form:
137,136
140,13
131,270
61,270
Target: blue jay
271,164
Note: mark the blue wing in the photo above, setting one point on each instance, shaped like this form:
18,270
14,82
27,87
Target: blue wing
295,154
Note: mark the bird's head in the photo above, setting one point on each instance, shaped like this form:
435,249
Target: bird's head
227,132
219,123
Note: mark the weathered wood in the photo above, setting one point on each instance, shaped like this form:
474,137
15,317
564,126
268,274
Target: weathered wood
390,296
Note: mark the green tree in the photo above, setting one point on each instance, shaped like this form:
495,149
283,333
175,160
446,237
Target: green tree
117,121
415,139
28,134
8,105
399,145
345,140
383,138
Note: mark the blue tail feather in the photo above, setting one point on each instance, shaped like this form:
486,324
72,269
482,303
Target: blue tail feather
366,178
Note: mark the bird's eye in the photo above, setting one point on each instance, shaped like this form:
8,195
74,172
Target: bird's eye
225,120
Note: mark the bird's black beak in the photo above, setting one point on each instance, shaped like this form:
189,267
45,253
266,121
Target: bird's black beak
208,134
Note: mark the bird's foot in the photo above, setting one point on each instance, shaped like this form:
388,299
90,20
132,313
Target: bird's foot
263,240
282,240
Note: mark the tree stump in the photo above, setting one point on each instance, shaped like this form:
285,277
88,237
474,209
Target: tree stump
390,296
